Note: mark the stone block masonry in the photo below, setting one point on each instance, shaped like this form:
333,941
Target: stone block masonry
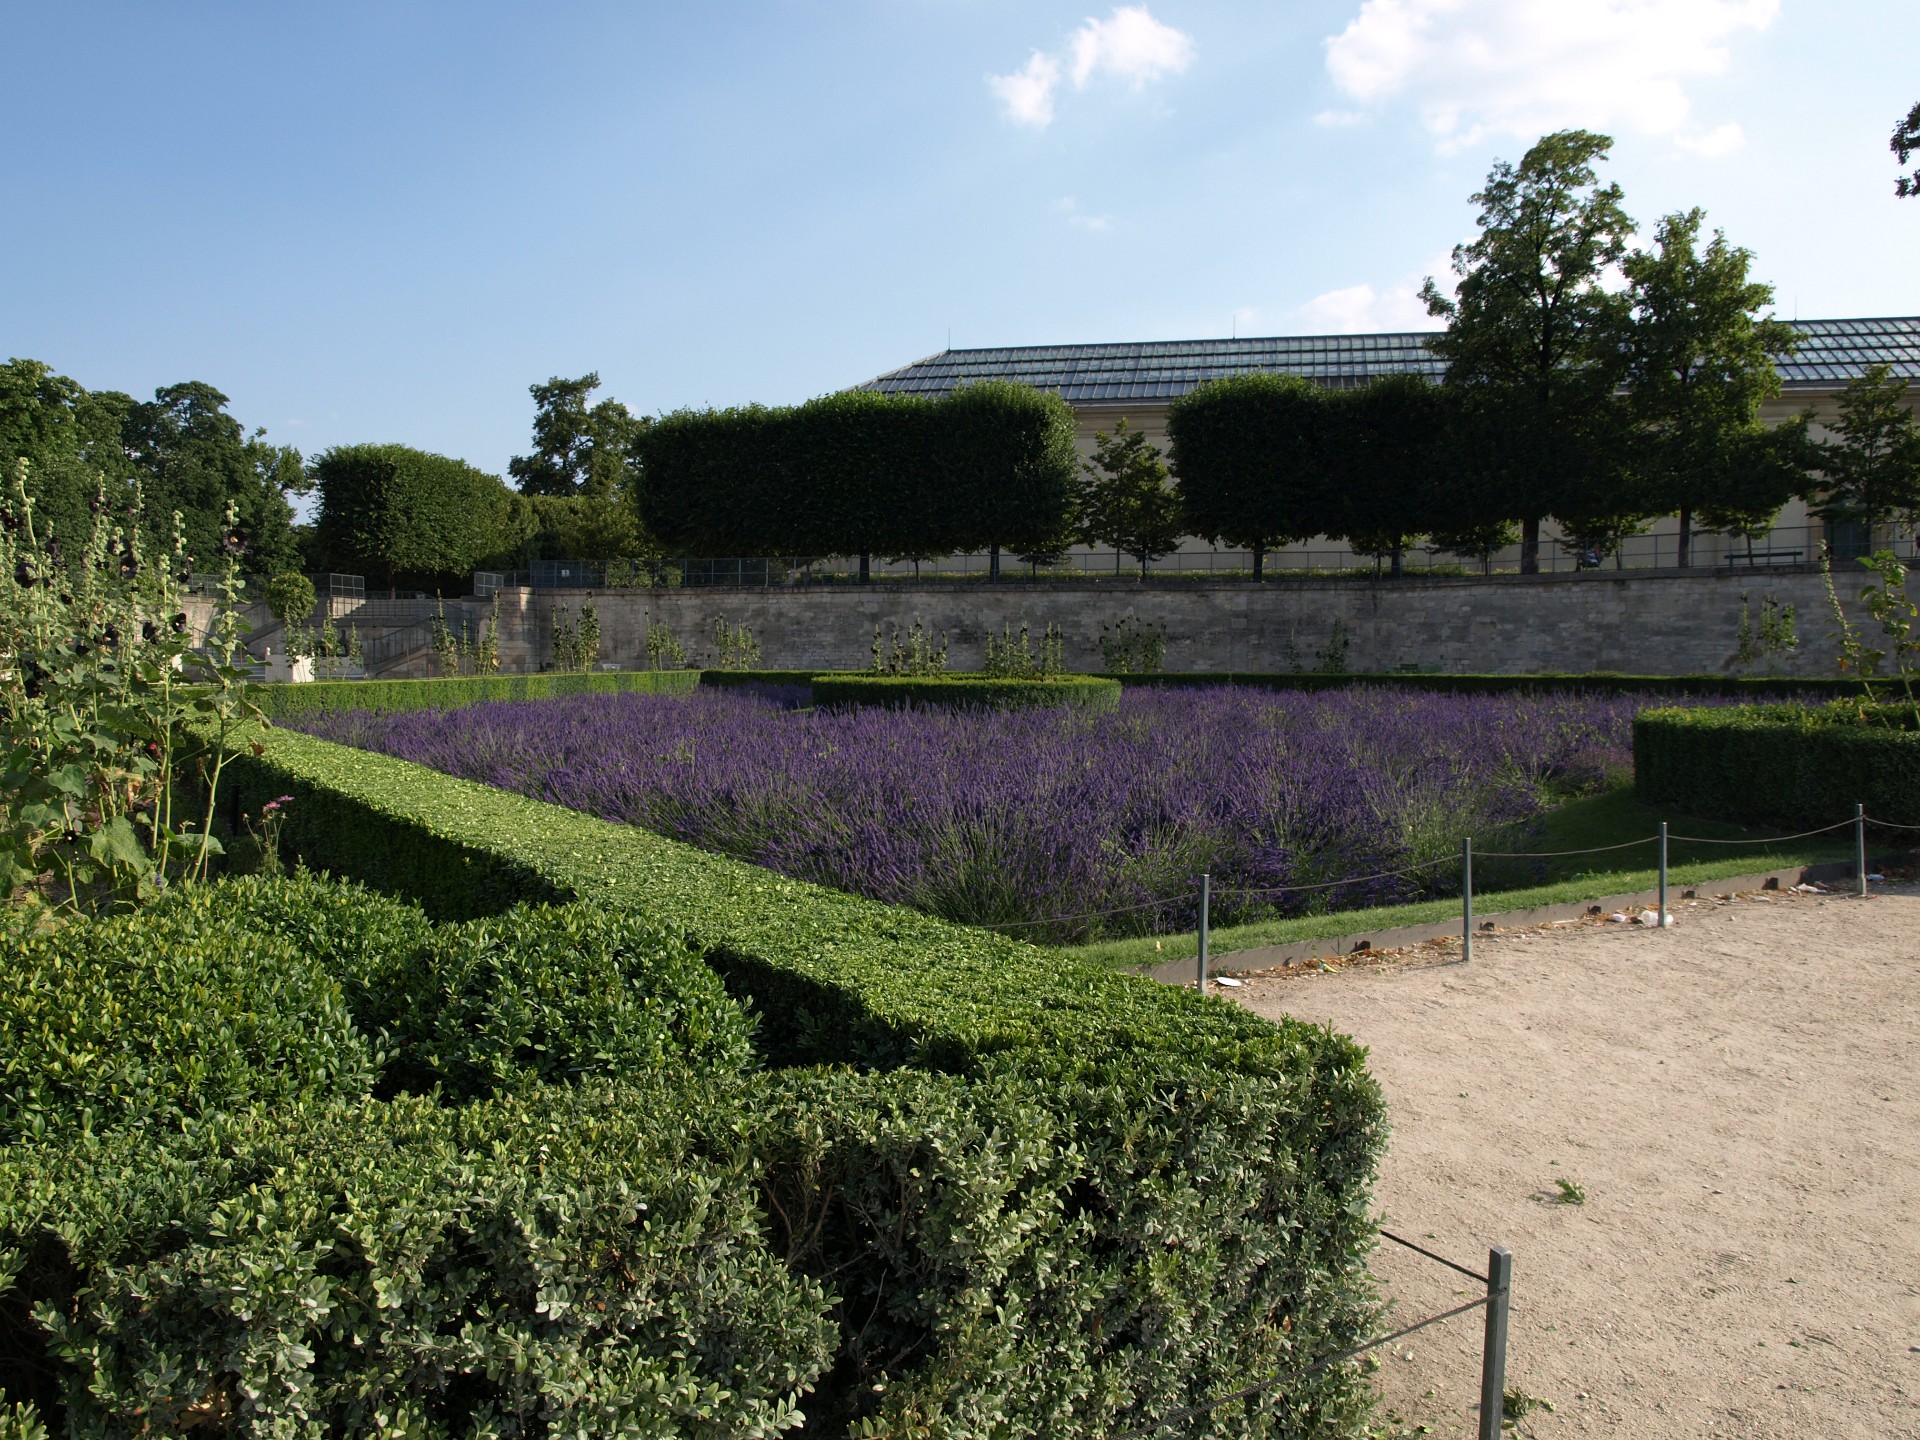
1667,623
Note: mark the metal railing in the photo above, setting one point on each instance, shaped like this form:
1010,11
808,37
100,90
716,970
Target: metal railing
1783,548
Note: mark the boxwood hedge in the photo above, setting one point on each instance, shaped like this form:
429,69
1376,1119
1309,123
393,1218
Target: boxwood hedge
1598,681
1090,692
453,692
1188,1208
1795,766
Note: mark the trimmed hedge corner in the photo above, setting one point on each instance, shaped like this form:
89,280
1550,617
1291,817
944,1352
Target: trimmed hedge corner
1794,766
455,692
1045,1198
1086,692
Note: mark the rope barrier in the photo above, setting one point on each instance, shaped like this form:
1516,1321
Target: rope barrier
1558,854
1086,915
1422,1250
1336,884
1890,824
1764,840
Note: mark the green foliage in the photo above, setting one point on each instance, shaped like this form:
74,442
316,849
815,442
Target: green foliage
1905,145
1124,499
393,511
1533,336
100,676
535,996
1132,646
664,650
734,647
579,450
961,690
1775,633
1700,363
861,473
1393,452
169,1016
917,655
1788,765
1255,462
1599,682
290,596
385,696
1333,659
186,452
1870,470
1011,659
568,1263
576,647
1093,1159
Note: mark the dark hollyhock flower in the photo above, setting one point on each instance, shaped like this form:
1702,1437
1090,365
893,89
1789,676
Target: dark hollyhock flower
179,623
23,575
149,631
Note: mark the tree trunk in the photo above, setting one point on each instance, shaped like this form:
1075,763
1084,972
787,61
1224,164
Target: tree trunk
864,559
1686,536
1259,560
1530,547
1399,552
993,562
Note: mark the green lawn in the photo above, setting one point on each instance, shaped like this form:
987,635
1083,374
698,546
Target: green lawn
1610,819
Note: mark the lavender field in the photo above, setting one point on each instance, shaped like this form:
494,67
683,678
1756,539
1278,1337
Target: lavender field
1013,819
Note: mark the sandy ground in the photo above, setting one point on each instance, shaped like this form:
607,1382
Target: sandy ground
1736,1098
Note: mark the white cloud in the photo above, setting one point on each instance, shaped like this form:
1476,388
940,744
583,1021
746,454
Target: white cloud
1481,68
1332,119
1069,207
1028,92
1129,44
1359,309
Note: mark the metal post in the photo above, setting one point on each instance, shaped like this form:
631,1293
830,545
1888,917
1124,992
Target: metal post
1493,1358
1860,848
1466,898
1206,898
1663,873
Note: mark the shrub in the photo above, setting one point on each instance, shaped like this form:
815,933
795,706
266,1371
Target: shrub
453,692
396,510
1086,691
568,1263
1794,766
1210,1170
166,1017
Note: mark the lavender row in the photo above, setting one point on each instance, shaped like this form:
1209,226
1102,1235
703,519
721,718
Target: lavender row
1009,819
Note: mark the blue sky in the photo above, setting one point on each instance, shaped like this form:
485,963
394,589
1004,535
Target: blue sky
382,222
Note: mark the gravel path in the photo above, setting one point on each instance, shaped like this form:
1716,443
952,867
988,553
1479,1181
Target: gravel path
1735,1096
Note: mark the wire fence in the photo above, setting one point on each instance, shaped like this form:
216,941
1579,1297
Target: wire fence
1202,898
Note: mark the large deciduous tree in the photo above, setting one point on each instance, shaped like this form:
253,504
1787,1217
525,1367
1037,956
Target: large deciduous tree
1532,338
70,439
1699,367
1870,469
578,449
192,456
1253,457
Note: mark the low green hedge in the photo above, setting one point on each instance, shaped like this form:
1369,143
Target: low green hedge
282,701
536,996
1088,692
1598,681
162,1018
1046,1199
1794,766
569,1263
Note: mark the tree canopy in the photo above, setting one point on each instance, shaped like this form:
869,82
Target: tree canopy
187,453
578,449
392,510
1124,499
1532,338
1905,145
1870,468
1699,365
1394,458
1254,462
